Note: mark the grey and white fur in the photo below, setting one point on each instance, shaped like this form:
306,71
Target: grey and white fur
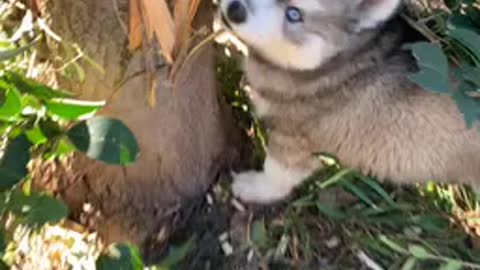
331,76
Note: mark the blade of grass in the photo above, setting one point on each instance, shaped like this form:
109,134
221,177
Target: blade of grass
335,178
377,188
359,193
392,245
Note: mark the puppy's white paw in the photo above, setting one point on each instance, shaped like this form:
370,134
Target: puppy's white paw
257,187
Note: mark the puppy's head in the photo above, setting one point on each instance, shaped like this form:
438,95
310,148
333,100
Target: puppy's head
303,34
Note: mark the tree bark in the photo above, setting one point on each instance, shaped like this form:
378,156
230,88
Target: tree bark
185,140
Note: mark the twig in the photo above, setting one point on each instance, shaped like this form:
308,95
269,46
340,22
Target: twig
422,29
44,26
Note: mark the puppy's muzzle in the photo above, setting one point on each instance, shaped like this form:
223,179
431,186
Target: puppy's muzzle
237,12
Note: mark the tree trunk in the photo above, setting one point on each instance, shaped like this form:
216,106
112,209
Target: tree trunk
185,139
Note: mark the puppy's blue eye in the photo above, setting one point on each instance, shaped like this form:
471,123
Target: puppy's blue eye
294,15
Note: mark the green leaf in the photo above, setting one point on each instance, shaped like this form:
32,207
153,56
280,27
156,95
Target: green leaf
474,14
35,136
3,265
331,211
419,252
11,106
461,21
70,109
177,254
13,166
63,147
105,139
432,224
467,38
452,265
359,193
409,264
377,188
335,179
31,105
433,65
3,244
4,127
392,245
50,128
468,106
120,257
374,247
12,53
259,234
470,74
36,210
34,88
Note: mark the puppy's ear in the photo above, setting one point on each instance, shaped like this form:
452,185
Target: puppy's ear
371,13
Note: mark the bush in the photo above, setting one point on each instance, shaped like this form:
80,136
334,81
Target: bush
454,48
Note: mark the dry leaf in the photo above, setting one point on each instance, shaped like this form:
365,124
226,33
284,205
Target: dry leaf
182,24
160,23
135,32
35,7
174,34
186,55
185,12
194,4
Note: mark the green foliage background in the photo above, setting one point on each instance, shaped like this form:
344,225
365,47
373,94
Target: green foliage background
454,35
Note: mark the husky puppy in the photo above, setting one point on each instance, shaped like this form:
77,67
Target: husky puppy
331,76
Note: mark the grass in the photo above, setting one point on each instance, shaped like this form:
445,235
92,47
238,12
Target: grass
368,224
390,228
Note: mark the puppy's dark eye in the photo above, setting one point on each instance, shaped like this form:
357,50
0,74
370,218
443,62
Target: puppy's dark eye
293,15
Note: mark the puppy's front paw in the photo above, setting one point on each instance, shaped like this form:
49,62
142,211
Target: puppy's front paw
257,187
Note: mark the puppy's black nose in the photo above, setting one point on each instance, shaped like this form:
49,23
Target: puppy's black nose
236,12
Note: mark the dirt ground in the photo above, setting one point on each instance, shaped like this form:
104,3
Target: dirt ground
222,228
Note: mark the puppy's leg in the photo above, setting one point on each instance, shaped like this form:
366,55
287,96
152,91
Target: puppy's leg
272,184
